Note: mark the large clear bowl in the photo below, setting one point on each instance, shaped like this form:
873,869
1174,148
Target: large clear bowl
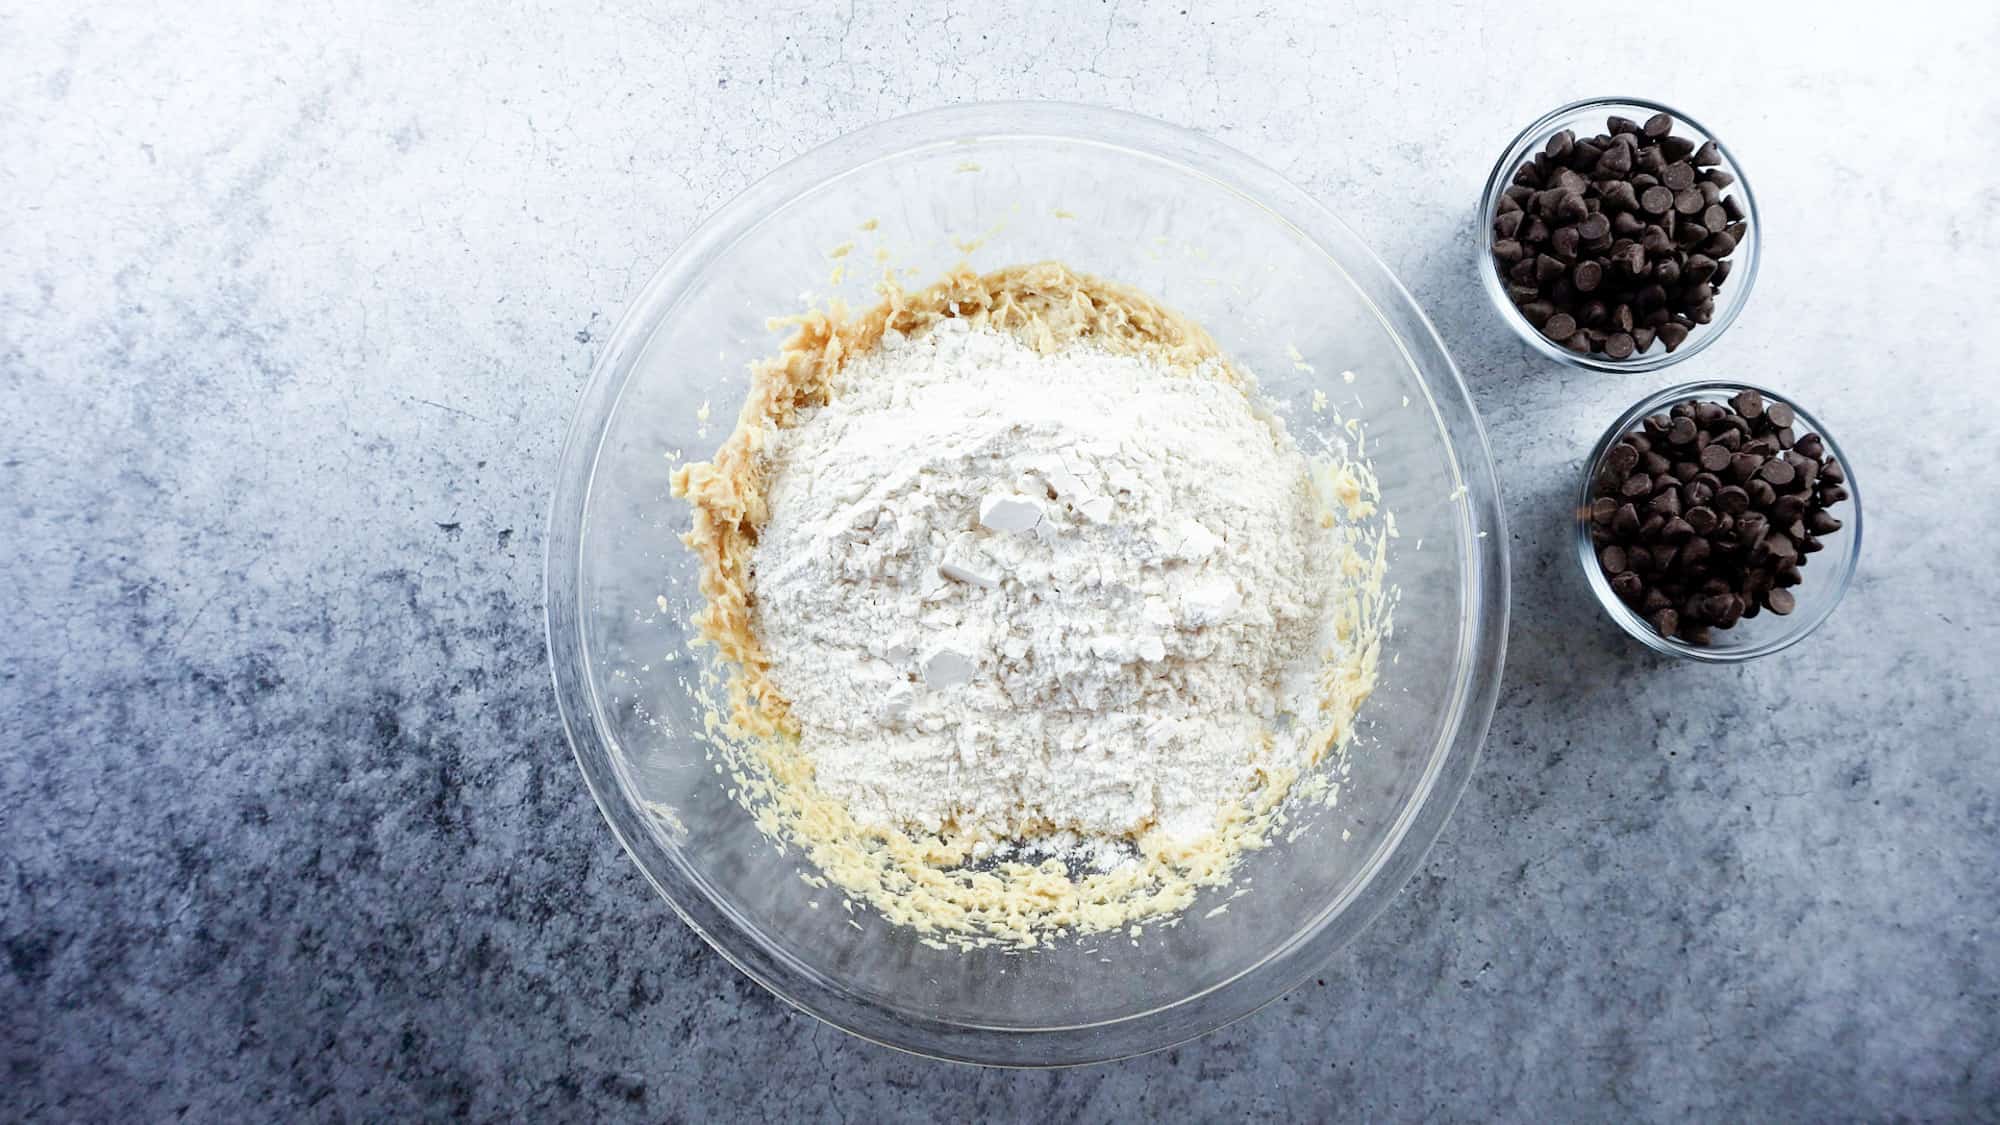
1288,291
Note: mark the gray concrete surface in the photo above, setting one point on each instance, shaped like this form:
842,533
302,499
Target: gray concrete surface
295,301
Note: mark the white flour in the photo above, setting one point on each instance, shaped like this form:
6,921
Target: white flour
1016,593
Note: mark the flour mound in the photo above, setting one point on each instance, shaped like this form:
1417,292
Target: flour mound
1011,593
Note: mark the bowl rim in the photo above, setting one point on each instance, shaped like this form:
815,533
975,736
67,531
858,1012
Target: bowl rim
1484,592
1628,618
1497,180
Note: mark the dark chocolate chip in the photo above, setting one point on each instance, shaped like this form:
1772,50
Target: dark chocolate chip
1777,472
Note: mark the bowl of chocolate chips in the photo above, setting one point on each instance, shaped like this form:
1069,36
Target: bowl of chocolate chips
1618,234
1718,521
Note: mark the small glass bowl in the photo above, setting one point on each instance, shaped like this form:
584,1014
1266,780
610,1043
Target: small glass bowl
1826,576
1586,118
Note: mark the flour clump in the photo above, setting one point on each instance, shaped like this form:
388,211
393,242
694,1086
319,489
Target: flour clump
1069,593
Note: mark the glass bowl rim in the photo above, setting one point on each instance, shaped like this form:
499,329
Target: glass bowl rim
1502,174
1483,589
1625,616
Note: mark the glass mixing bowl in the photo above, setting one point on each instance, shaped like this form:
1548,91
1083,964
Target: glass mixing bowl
1290,293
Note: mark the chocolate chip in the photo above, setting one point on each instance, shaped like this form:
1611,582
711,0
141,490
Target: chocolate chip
1777,472
1781,601
1655,200
1561,326
1678,176
1673,335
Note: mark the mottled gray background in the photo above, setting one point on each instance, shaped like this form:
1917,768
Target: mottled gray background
295,300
